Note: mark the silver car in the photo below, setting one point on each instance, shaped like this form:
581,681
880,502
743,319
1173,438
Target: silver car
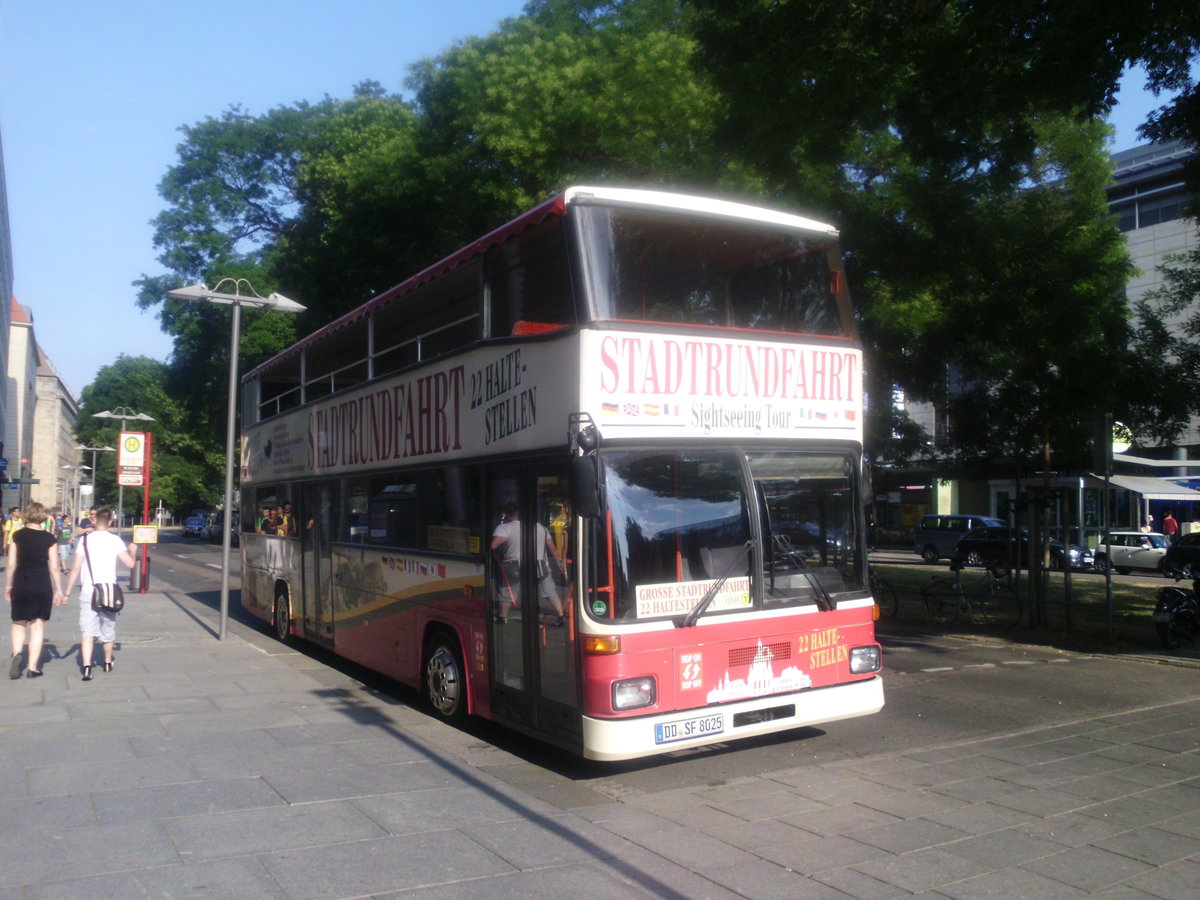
1131,550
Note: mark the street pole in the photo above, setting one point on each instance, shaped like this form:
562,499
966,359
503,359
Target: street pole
230,428
236,300
94,450
144,581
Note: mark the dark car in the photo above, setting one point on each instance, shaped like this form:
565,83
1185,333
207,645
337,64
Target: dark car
1005,546
212,532
1184,556
938,534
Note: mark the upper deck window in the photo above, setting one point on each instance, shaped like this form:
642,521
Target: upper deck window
438,318
662,266
529,283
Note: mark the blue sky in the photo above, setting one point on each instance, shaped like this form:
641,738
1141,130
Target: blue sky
92,93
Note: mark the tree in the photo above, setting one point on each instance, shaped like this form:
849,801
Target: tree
182,466
332,202
574,92
962,159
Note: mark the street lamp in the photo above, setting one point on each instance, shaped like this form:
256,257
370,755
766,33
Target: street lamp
75,470
125,414
237,300
95,450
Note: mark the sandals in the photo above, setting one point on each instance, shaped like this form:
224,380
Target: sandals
107,665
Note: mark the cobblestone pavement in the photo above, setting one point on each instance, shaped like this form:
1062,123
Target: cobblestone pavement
220,768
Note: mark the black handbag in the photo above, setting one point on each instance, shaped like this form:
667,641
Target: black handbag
106,598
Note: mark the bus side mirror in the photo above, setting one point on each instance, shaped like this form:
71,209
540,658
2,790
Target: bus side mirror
585,485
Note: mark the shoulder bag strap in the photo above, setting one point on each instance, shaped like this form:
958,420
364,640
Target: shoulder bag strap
91,577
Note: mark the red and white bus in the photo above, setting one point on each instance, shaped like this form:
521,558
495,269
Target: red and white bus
597,476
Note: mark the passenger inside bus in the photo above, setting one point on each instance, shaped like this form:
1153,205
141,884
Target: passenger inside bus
506,548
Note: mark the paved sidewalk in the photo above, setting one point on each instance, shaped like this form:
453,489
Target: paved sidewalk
245,769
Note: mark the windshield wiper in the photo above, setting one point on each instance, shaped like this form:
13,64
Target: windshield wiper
784,545
693,615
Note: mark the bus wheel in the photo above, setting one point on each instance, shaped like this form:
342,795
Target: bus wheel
445,677
280,617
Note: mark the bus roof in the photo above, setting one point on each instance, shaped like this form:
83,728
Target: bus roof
688,203
555,206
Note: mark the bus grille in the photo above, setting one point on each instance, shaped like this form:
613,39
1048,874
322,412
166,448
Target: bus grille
744,656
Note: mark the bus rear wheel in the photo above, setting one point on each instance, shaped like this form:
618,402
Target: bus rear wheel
280,616
445,677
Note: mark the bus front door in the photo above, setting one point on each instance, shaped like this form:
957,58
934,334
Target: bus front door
316,534
531,572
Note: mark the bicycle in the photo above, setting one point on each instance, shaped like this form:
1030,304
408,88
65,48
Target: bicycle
946,599
884,594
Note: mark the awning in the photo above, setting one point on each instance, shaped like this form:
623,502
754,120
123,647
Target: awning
1153,488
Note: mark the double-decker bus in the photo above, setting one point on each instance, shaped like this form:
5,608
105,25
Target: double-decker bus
596,476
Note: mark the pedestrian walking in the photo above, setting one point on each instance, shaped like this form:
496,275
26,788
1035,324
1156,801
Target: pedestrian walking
64,544
12,524
95,562
34,587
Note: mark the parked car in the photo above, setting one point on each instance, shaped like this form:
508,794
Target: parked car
1001,545
212,529
194,524
1184,555
938,534
1131,550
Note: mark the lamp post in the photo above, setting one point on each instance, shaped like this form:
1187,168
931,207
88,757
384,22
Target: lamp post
94,450
75,470
124,414
237,300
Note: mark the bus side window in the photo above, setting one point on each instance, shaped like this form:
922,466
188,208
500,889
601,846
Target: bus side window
356,511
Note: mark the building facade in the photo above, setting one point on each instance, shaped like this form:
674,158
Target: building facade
1150,200
56,464
6,297
22,404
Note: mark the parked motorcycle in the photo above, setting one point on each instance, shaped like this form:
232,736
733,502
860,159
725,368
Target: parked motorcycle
1177,614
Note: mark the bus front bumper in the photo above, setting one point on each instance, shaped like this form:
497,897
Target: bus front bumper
614,739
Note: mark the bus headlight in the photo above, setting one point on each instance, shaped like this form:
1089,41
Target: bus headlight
634,693
865,659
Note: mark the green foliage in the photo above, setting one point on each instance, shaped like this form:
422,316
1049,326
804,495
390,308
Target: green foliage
956,145
574,93
182,461
355,195
964,161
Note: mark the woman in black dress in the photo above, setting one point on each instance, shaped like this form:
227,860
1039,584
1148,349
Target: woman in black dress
33,587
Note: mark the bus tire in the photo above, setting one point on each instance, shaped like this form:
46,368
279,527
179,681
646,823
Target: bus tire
445,677
280,616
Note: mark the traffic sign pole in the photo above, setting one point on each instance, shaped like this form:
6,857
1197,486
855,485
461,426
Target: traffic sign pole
145,579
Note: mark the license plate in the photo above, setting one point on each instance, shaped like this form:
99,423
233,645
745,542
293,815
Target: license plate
684,729
1161,617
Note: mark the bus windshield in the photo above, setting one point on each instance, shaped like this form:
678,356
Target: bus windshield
681,521
660,266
